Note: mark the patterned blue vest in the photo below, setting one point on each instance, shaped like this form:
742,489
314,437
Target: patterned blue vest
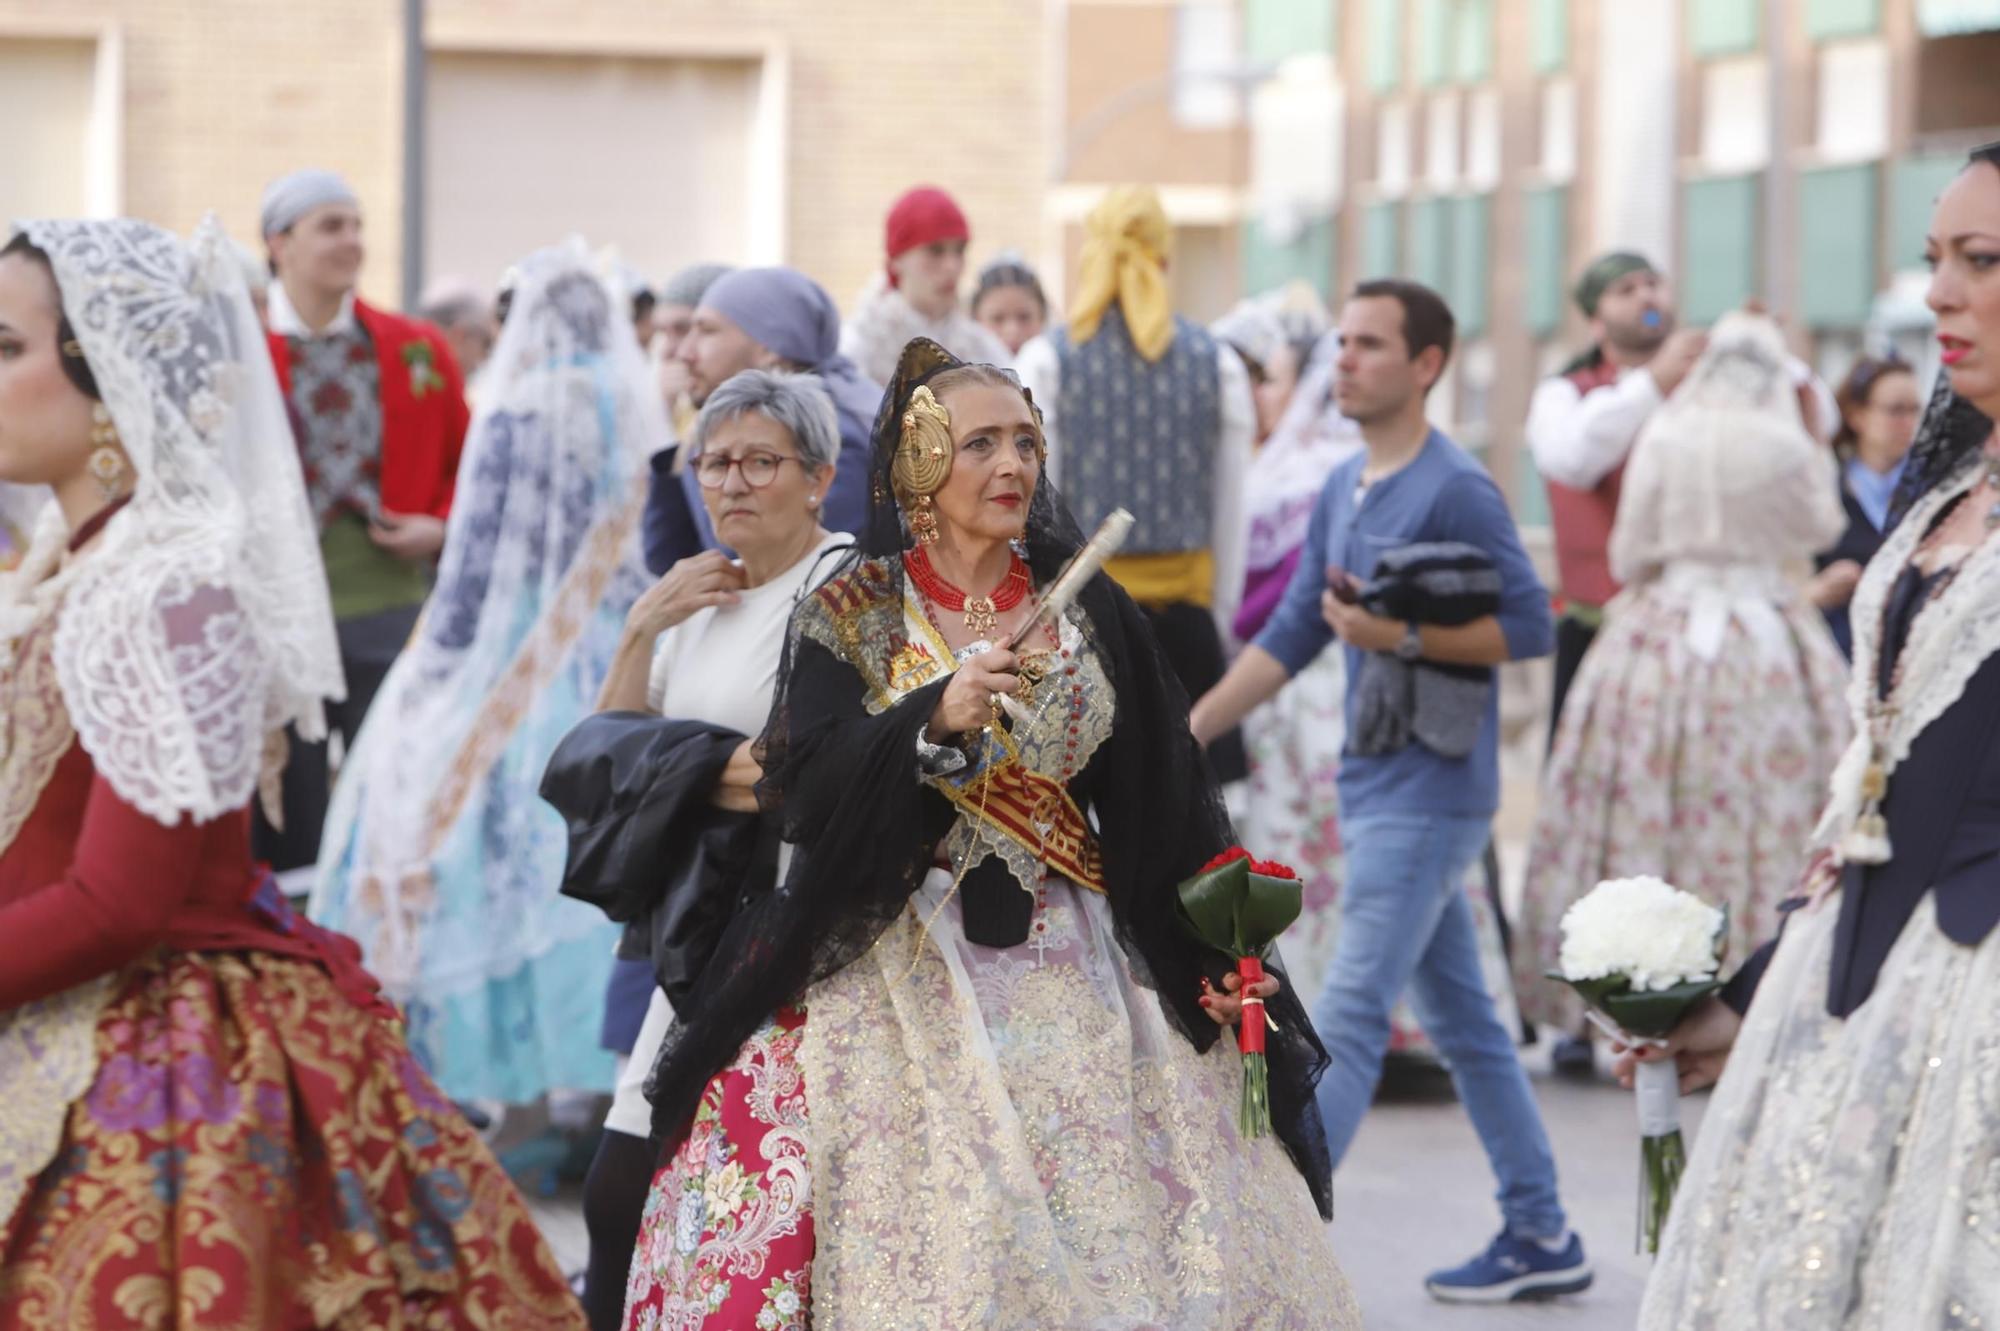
1141,435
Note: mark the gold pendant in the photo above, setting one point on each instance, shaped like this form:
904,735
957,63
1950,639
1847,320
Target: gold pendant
980,618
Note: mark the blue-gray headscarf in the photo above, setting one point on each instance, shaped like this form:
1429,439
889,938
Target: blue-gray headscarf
790,315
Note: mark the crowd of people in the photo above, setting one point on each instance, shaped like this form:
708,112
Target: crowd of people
645,733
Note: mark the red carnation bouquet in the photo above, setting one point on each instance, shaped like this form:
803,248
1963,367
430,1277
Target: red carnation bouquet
1239,906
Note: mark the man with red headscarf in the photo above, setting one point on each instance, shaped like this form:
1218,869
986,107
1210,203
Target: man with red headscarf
916,294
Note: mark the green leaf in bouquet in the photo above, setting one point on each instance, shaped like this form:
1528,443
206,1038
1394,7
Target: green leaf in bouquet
1208,903
1269,906
1594,992
1654,1012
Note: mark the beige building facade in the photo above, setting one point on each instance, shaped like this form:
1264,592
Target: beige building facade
758,131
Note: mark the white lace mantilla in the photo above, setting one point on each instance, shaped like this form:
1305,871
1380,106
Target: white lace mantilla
1947,644
198,622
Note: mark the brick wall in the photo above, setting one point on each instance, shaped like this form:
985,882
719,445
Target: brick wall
222,95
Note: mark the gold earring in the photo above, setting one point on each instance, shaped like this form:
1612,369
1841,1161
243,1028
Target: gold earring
923,521
107,463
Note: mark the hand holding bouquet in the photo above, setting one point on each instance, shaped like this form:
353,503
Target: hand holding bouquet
1642,953
1239,906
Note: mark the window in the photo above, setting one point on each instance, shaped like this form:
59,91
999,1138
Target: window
1853,101
1392,148
1482,139
1735,116
1441,141
1205,53
1558,151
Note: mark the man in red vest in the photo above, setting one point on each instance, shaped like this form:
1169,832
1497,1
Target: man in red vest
378,407
1582,425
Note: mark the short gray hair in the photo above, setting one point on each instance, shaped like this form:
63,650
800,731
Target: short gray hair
799,402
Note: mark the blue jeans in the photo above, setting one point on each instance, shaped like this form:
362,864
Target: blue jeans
1405,924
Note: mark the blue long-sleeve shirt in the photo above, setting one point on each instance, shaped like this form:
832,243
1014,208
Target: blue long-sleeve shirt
1444,494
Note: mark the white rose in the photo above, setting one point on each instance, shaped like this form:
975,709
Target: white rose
1654,934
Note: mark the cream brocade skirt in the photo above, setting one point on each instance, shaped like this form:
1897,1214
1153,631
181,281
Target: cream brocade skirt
1016,1139
1847,1173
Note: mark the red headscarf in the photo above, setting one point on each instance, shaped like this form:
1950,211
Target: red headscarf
923,216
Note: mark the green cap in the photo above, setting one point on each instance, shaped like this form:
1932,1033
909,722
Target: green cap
1603,271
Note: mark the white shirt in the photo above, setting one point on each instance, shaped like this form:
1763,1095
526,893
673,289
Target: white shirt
284,319
1580,438
720,664
1040,369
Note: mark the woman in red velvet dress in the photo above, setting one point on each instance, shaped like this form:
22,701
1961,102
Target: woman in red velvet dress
209,1118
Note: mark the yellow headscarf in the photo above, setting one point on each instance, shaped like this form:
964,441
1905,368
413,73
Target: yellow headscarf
1125,246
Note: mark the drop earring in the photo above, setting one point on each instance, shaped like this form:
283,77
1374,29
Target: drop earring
107,463
923,521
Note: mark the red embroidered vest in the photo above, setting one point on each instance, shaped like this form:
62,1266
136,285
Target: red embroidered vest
1582,518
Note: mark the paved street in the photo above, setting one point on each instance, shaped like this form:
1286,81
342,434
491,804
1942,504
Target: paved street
1415,1194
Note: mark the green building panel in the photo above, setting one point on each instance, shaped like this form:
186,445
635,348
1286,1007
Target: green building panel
1430,244
1718,247
1307,257
1830,19
1381,240
1434,41
1531,494
1914,184
1548,35
1472,40
1385,45
1274,29
1471,281
1723,27
1545,276
1837,245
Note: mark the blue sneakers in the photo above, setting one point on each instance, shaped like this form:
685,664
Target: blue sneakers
1513,1268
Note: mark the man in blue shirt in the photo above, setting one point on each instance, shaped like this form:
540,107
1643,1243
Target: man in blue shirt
1414,820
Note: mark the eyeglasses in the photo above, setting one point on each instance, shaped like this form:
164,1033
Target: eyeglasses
759,469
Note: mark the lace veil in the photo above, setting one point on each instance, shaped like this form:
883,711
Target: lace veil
541,563
200,624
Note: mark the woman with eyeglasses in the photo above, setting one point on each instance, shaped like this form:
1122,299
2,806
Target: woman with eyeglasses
1879,406
701,648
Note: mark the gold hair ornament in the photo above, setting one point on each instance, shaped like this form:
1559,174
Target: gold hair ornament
922,461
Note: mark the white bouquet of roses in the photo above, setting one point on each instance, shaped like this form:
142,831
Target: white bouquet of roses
1643,952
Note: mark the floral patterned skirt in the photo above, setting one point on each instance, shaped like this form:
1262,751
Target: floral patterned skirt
256,1151
1706,768
727,1239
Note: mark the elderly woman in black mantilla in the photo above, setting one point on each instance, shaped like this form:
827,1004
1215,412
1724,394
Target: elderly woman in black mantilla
966,1025
1847,1173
